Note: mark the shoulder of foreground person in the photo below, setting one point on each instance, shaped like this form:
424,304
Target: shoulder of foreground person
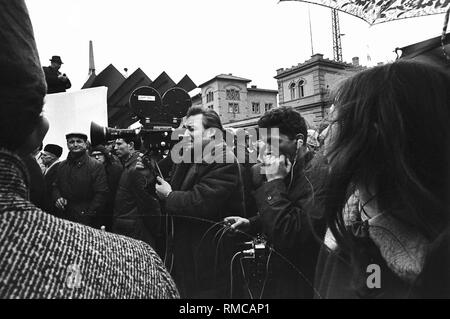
47,257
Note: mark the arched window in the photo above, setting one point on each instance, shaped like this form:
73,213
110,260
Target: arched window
292,89
301,88
209,96
233,94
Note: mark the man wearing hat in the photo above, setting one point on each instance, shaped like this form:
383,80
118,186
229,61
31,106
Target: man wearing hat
56,82
49,158
80,188
43,256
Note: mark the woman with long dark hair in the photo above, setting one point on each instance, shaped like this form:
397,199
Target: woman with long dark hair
388,192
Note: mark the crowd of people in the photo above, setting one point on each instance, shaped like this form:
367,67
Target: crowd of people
359,209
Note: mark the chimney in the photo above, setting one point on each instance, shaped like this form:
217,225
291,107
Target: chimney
355,61
317,56
280,70
91,59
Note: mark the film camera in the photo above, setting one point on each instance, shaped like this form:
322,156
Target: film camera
158,116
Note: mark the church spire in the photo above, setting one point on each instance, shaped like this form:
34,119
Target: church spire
91,59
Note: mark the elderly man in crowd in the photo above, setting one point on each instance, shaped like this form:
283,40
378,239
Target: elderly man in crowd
50,160
49,257
80,189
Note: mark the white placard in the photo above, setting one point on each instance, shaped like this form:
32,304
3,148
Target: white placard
73,112
146,98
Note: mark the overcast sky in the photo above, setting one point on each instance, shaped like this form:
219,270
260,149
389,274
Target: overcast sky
203,38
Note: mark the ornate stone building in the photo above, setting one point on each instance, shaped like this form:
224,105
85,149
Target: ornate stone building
307,86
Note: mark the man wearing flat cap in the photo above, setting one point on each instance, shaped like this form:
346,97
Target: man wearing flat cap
41,254
80,189
50,160
56,82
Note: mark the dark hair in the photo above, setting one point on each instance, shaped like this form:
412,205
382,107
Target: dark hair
287,120
135,139
391,134
210,117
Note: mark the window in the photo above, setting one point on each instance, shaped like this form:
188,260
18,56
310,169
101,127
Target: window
292,89
301,90
233,95
255,107
211,107
267,107
209,96
233,108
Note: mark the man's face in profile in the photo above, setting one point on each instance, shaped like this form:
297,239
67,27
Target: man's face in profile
122,148
195,131
48,158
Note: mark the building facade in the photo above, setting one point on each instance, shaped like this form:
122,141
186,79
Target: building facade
230,97
307,86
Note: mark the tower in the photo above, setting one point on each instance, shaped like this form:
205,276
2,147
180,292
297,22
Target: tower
337,47
91,59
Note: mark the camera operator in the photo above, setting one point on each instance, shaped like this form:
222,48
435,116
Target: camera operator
282,194
136,209
203,189
44,256
56,82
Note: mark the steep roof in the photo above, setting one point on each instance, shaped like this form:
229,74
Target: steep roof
162,83
109,77
187,84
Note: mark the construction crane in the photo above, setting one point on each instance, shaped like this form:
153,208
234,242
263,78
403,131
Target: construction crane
337,46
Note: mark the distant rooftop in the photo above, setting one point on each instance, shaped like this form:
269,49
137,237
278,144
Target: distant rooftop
314,60
227,77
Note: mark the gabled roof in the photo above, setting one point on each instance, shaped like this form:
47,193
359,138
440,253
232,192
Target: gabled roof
162,83
122,94
109,77
89,81
186,84
228,77
119,112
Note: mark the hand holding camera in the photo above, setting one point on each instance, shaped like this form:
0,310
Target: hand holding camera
163,189
63,77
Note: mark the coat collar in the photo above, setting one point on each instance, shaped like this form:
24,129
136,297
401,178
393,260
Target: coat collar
78,161
131,160
14,177
50,167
